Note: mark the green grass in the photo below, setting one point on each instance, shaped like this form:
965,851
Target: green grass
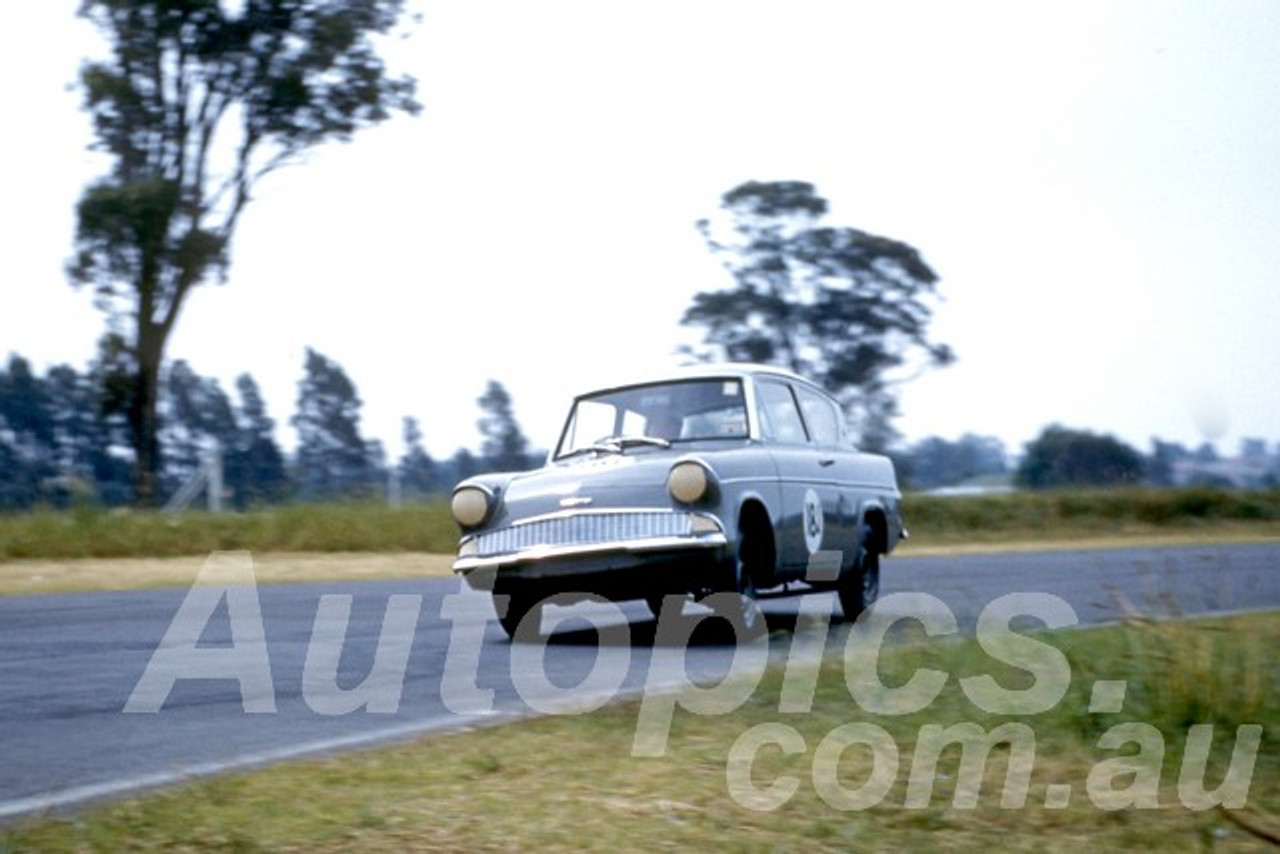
994,520
88,549
351,527
1071,514
571,783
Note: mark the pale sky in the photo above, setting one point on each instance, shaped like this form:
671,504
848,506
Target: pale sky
1096,183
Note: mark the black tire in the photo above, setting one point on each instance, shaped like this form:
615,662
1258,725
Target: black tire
738,604
523,617
859,587
655,603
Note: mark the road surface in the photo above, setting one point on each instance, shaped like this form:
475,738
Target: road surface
88,709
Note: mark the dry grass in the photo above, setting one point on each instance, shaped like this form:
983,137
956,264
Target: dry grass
104,574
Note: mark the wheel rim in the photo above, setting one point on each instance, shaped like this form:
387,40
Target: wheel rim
749,617
871,579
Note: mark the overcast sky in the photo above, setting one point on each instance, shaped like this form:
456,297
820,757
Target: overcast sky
1096,183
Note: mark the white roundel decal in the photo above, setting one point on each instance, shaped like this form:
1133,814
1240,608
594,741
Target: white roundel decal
812,521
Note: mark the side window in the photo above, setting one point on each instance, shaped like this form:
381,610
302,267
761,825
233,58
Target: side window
779,419
821,416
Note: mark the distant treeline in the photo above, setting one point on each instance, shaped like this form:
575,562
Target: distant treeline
64,442
64,439
1066,458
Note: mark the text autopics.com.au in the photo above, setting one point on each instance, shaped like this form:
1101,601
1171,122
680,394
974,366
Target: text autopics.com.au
1128,772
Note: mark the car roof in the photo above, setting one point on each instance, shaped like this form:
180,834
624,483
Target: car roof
707,370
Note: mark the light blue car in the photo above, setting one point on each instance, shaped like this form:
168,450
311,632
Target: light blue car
729,477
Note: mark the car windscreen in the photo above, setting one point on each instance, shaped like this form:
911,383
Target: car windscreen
685,411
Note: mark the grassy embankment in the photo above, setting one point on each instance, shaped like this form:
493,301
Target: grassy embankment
45,551
570,783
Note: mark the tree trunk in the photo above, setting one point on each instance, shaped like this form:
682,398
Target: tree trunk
143,415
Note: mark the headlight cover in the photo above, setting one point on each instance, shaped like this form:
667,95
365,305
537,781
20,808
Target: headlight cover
471,506
688,482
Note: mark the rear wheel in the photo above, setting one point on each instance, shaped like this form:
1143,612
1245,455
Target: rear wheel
859,587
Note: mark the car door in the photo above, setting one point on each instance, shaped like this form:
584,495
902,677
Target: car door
825,424
810,493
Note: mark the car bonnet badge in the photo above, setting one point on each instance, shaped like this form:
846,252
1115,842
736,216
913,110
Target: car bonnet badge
575,501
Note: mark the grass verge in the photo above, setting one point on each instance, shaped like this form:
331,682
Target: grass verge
1107,515
314,528
1009,520
92,550
571,783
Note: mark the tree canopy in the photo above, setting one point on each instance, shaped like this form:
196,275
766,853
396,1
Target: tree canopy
417,470
198,102
1063,457
933,462
333,458
255,469
504,444
195,414
845,307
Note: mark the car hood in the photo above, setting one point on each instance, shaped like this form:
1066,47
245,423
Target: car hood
637,479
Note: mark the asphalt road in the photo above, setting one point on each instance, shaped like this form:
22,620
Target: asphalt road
99,694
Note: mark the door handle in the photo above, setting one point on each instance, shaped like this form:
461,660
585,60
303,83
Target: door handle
827,461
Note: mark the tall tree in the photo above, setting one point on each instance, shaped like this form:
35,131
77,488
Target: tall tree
504,446
332,459
24,410
417,469
196,416
845,307
462,465
27,440
254,468
199,101
80,430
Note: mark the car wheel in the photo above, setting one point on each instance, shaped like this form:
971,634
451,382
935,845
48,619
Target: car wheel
859,588
655,603
750,617
738,603
523,617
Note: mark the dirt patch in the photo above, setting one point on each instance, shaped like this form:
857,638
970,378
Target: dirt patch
101,574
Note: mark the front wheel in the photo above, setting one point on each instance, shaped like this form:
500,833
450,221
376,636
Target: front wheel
656,602
859,588
522,619
738,604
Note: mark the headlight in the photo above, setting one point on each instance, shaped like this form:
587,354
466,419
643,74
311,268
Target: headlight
471,506
688,482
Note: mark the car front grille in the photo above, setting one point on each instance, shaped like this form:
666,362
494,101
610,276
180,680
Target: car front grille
584,529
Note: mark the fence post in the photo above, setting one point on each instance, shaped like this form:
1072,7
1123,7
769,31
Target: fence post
214,463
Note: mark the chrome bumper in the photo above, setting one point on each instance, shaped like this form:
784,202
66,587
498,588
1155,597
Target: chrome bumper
589,532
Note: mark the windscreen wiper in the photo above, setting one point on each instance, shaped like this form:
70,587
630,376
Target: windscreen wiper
616,445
